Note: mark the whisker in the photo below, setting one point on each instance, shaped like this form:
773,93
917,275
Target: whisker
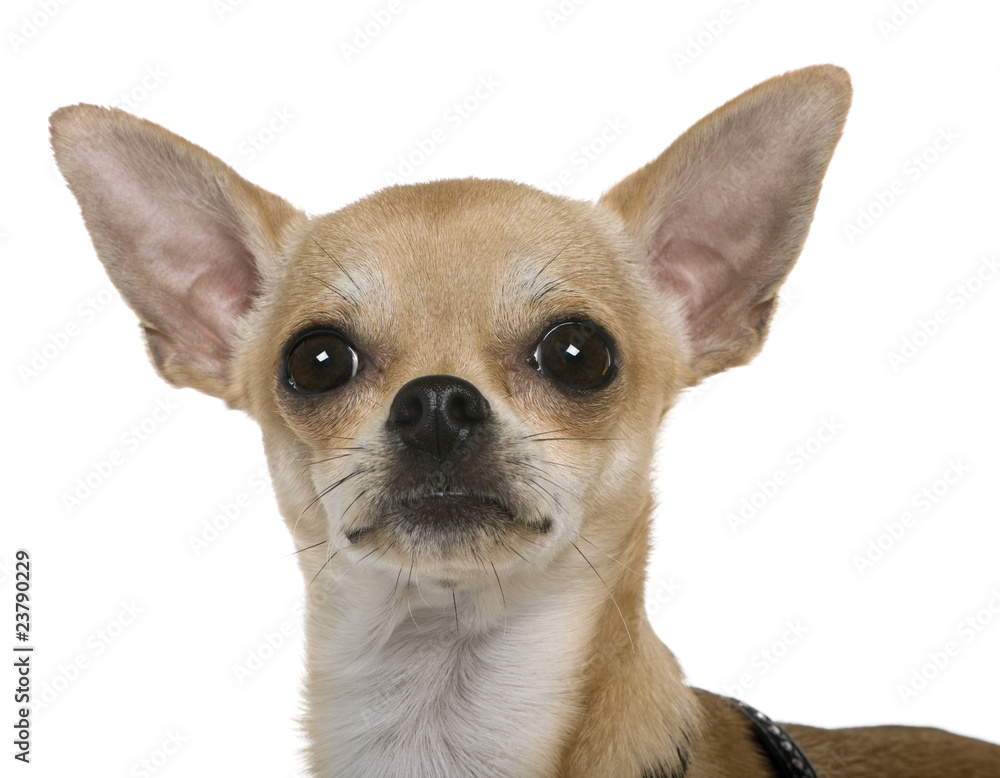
551,286
333,486
361,494
560,464
548,432
342,269
503,600
328,560
613,600
346,448
454,601
328,459
543,492
511,548
332,288
544,476
545,266
541,440
336,448
300,550
417,586
611,557
359,561
409,606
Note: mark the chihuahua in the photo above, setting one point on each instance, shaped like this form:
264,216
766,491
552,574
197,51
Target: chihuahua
460,385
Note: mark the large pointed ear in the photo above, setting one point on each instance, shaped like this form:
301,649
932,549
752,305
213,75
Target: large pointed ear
186,240
722,214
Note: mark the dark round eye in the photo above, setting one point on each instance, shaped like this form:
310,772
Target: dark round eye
320,361
576,355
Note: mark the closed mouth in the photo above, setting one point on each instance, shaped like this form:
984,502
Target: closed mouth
446,517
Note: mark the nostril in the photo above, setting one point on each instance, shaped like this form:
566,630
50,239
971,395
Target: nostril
409,411
463,408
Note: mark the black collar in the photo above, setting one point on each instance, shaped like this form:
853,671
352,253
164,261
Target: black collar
785,755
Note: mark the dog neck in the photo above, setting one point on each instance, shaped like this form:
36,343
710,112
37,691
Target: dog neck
410,677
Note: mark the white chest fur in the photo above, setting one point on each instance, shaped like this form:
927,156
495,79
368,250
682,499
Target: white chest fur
410,689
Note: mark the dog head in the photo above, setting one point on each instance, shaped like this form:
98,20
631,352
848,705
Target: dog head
464,378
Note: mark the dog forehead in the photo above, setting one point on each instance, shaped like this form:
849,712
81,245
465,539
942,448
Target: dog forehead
462,229
439,255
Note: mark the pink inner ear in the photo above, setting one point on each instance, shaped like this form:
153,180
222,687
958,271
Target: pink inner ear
180,233
701,277
724,211
717,223
713,261
186,274
194,315
205,283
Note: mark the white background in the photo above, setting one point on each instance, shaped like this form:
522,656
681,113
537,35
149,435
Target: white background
219,75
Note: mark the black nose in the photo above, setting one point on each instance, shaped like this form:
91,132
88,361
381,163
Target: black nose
437,414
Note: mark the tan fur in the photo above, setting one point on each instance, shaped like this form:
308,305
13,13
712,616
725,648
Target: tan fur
681,262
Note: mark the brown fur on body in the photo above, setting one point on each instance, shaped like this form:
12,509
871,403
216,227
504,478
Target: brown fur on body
515,642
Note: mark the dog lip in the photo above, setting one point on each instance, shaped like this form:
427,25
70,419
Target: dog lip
449,495
446,511
432,501
428,507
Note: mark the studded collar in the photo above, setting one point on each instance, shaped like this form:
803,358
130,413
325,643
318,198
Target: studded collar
785,755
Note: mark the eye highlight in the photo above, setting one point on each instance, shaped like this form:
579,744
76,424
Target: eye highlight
320,361
576,355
